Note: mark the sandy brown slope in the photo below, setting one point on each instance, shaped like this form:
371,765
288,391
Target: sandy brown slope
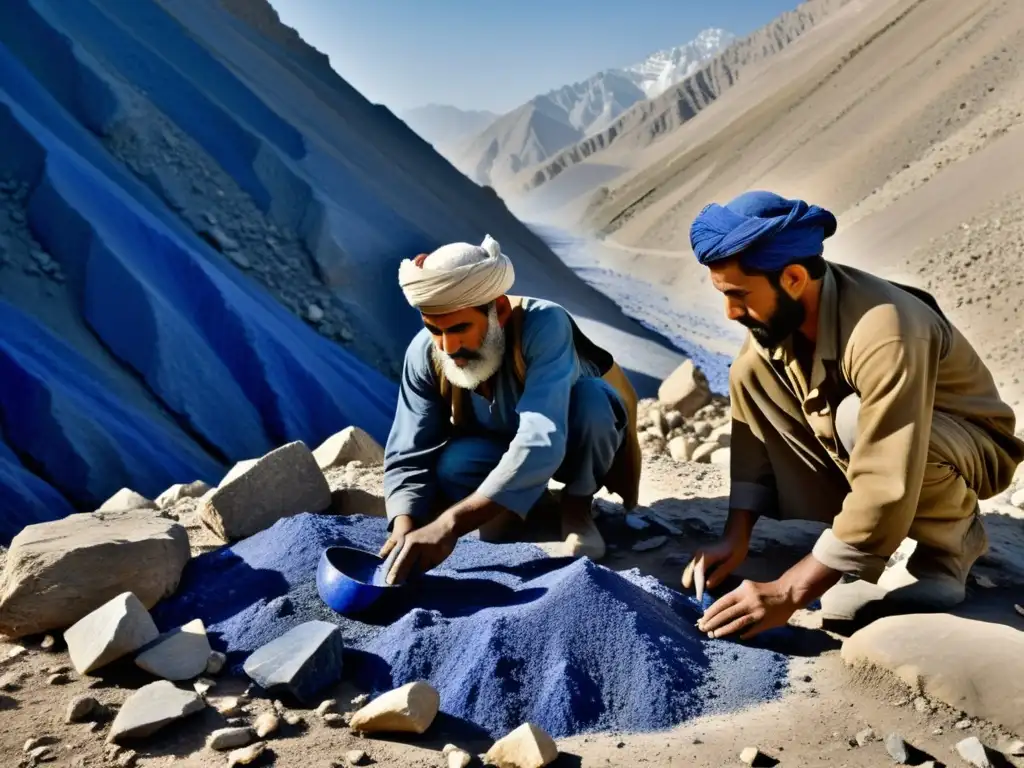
903,118
894,79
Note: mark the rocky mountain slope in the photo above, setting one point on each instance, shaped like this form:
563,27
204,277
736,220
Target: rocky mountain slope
200,229
650,120
533,132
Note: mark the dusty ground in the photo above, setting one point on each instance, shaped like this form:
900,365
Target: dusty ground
811,724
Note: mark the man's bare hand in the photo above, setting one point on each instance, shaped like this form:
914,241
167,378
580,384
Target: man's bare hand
753,607
711,564
402,527
424,549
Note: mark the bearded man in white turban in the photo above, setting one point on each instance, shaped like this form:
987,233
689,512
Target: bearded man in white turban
499,395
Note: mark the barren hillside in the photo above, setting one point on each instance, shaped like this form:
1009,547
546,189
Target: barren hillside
901,116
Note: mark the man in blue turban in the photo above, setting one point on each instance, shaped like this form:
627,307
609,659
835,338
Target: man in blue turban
856,403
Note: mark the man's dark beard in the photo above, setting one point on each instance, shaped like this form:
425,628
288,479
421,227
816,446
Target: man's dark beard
464,354
789,316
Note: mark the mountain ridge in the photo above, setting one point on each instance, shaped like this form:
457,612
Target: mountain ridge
647,121
508,146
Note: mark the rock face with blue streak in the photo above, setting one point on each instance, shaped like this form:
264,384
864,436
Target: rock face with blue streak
302,662
200,232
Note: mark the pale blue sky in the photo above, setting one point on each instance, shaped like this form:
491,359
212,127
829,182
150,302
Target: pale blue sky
497,54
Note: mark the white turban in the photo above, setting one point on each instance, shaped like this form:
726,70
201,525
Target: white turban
457,276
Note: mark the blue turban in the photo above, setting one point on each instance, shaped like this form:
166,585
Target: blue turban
765,230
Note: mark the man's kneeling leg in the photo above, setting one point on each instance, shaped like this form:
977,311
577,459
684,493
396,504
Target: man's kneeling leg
462,467
597,427
949,536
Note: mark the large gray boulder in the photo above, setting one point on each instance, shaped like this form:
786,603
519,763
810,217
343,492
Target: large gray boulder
300,663
57,572
255,494
686,390
938,654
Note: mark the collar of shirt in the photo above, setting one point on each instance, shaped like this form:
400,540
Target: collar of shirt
825,346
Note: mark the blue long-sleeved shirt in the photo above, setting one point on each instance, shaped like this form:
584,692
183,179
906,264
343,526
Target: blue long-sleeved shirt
535,423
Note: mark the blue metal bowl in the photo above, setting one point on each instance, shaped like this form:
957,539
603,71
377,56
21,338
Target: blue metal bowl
345,579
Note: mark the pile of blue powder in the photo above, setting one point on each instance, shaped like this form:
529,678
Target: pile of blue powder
503,632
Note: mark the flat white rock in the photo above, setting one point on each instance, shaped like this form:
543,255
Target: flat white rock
973,751
115,629
180,654
526,747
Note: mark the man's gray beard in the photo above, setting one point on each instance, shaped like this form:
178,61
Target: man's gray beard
476,372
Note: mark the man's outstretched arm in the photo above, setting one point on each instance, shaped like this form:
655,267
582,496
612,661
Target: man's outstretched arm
896,381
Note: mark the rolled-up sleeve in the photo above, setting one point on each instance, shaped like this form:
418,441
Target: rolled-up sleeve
895,379
538,448
418,435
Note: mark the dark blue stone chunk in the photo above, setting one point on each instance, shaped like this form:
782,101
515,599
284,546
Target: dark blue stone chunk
300,663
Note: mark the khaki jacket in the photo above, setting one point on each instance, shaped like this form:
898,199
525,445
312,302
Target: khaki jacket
926,396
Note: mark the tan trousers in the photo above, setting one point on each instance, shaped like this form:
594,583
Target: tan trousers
812,486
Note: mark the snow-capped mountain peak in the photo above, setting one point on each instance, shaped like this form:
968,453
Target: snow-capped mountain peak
663,69
554,120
